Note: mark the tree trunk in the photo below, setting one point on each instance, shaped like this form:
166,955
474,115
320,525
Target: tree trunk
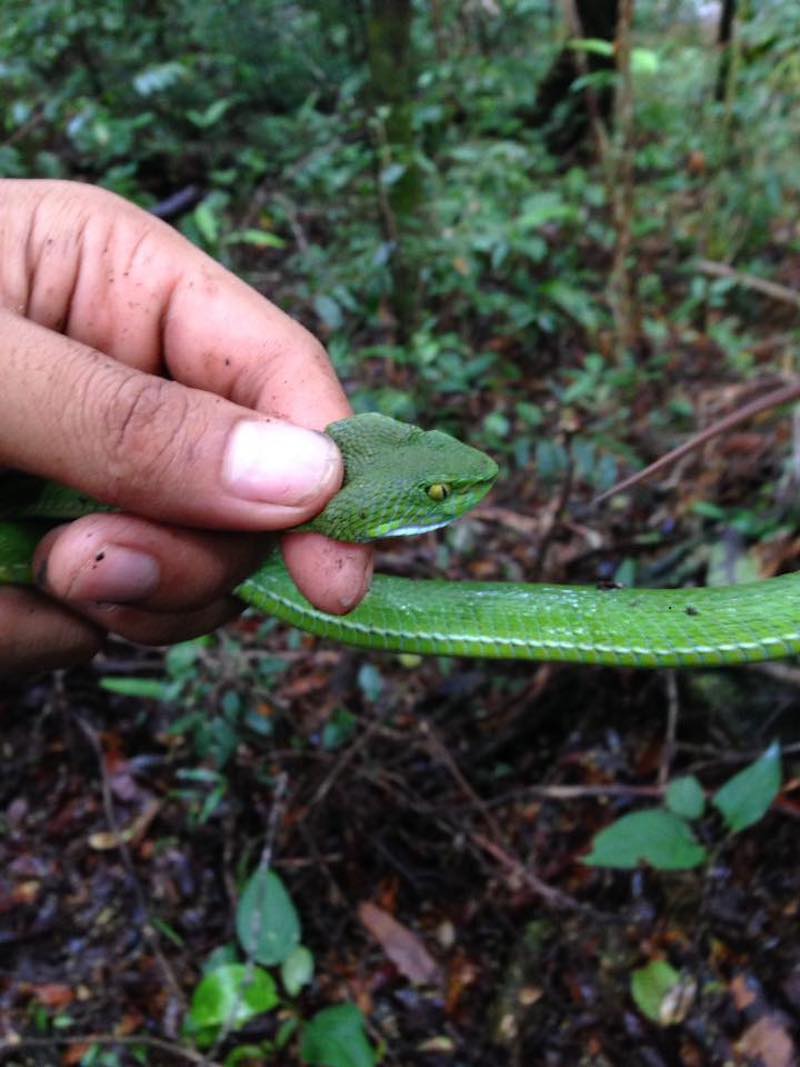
724,42
567,116
399,177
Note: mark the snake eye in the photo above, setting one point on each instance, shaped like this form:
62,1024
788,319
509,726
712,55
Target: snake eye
438,491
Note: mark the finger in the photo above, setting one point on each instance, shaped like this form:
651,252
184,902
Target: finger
38,635
123,559
132,287
335,568
148,628
84,262
153,446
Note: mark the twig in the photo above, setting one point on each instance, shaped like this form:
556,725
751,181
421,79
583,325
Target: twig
554,897
499,851
148,930
555,518
576,792
673,709
343,761
12,1045
777,398
781,672
750,281
294,223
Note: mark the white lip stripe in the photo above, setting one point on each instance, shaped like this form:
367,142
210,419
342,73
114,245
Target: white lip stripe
410,531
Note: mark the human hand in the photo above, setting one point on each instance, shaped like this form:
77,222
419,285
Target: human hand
136,369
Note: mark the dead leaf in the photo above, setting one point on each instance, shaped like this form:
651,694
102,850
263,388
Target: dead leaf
52,995
766,1043
75,1053
401,945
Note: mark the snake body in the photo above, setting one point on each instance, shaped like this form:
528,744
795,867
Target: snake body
403,480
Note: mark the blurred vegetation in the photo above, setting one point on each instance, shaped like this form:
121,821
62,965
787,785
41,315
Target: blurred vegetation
389,174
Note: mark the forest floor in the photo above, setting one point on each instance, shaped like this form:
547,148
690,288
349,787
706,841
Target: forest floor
429,818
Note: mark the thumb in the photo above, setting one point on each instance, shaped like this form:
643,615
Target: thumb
153,446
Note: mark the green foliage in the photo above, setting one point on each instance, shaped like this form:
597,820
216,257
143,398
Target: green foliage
230,995
658,837
652,987
746,798
685,797
297,970
336,1038
663,837
266,920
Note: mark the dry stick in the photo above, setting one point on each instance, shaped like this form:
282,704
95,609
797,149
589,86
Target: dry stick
777,398
497,847
554,897
343,762
673,709
751,281
577,792
554,522
148,929
10,1046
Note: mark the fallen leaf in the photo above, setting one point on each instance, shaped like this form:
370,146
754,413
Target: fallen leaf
52,995
401,945
75,1053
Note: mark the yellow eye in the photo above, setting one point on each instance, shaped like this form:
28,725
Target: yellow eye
439,491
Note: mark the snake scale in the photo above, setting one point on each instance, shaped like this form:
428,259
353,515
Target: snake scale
402,480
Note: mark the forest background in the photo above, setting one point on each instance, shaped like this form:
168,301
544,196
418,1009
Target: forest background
566,232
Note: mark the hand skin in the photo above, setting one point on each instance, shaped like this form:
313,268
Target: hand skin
136,369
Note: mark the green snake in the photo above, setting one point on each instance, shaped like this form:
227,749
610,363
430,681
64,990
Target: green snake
403,480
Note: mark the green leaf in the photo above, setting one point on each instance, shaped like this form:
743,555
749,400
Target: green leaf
329,311
266,920
230,995
685,797
157,78
286,1032
213,113
657,837
249,1055
370,681
651,986
258,238
220,957
746,798
207,221
596,45
339,729
644,61
147,688
297,970
335,1037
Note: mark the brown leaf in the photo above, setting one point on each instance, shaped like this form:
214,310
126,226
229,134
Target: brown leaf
401,945
52,995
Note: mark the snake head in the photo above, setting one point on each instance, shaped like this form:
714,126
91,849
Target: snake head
400,480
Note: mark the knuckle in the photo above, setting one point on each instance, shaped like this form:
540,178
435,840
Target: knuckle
143,426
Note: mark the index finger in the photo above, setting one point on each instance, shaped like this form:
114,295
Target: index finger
114,278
